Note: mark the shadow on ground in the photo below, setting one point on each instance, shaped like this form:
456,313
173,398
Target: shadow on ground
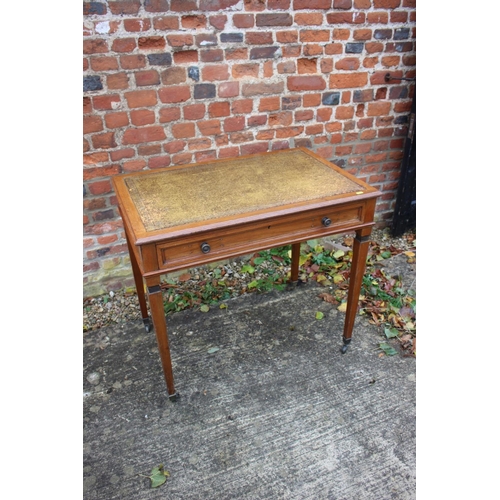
276,412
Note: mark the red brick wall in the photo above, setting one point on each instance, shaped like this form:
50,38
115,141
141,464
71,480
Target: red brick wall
170,82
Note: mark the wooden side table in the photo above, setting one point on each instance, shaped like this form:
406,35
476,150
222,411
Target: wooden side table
186,216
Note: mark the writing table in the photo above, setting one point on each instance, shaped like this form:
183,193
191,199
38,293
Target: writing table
186,216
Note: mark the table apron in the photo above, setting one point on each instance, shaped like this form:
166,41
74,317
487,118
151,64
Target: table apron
240,239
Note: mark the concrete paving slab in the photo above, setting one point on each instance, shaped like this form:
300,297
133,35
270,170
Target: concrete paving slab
276,412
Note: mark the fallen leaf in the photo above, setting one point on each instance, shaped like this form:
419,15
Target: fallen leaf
184,277
342,307
212,350
158,476
319,315
204,308
328,298
409,254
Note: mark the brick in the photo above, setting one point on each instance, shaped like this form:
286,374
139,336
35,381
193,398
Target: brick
286,67
212,55
378,108
342,4
216,5
314,36
324,114
116,120
219,109
216,72
293,102
166,23
136,25
386,4
209,127
283,118
129,7
287,36
243,20
194,111
206,40
218,22
344,112
149,149
289,132
141,98
104,141
123,45
244,70
362,95
100,187
91,83
259,37
169,114
121,153
257,121
346,18
307,66
98,46
256,147
159,162
204,91
178,93
229,89
397,17
133,165
236,54
173,76
135,61
103,102
156,5
362,4
382,34
174,146
183,130
370,62
151,42
182,158
118,81
269,104
312,50
180,40
194,73
274,19
354,47
164,59
330,98
333,48
300,83
278,4
363,34
378,78
348,63
255,5
234,124
92,159
312,4
263,52
142,117
309,19
144,134
145,78
183,5
348,80
94,8
104,63
231,37
373,47
401,34
379,17
256,89
390,61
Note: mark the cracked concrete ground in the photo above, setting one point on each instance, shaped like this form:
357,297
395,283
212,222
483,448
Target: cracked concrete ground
269,408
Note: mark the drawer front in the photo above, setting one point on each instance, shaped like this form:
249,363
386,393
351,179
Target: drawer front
210,246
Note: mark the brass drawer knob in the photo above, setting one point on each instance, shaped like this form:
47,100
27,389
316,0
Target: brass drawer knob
205,247
326,221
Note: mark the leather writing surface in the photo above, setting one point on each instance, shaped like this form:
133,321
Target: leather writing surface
226,188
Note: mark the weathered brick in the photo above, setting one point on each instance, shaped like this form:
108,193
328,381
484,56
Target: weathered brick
212,55
354,47
218,22
92,159
121,153
142,117
401,33
159,162
180,40
348,80
245,70
104,141
173,76
342,4
204,91
344,112
216,72
123,45
141,98
347,63
243,20
229,89
100,187
378,108
144,134
287,36
107,101
164,59
254,148
165,23
136,25
382,34
258,37
104,63
151,42
216,5
129,7
179,93
134,165
219,109
263,52
289,132
156,5
312,4
91,83
231,37
386,4
174,146
206,40
256,89
300,83
133,61
274,19
118,81
234,124
309,18
314,36
293,102
98,46
169,114
209,127
255,5
379,17
330,98
116,120
194,111
94,8
145,78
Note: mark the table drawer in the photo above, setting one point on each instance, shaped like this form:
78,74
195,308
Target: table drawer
213,245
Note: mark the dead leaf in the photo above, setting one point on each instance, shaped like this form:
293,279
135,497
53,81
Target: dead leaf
184,277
